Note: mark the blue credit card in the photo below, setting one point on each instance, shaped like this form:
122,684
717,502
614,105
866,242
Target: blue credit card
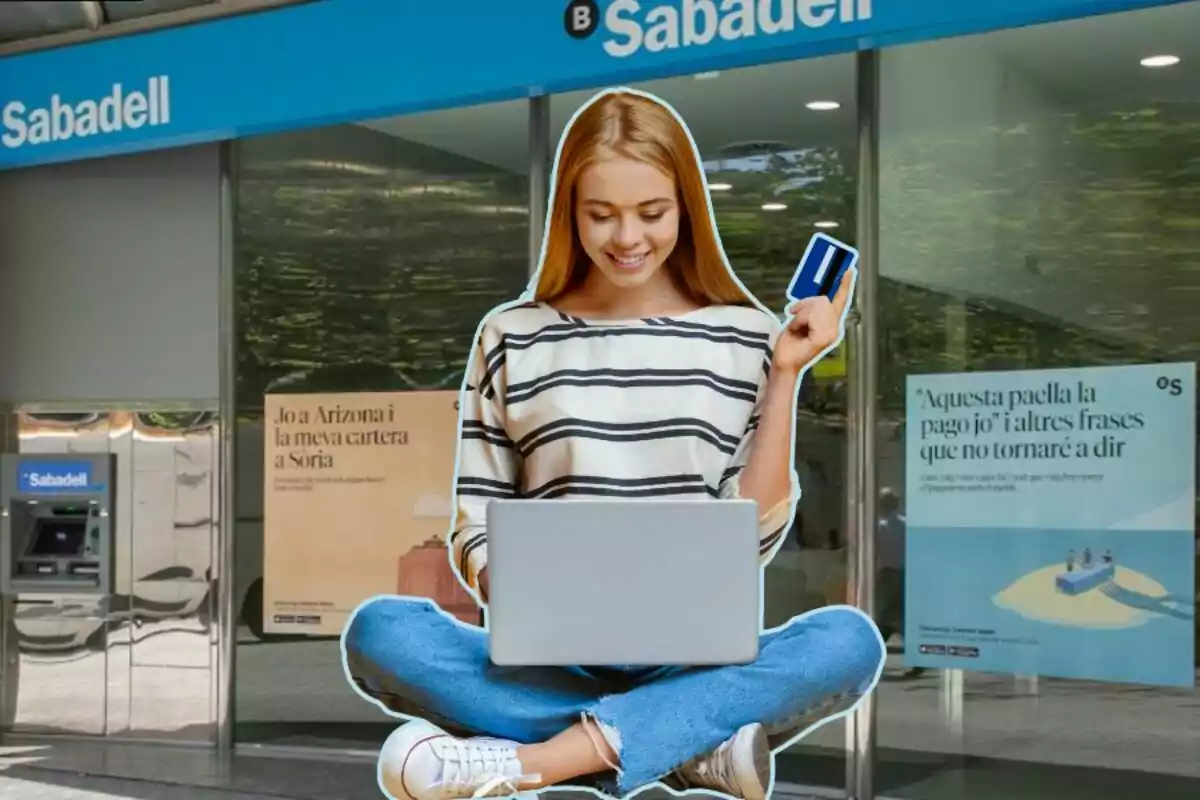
822,267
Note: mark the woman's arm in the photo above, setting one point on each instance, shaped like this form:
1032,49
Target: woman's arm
488,464
767,477
763,468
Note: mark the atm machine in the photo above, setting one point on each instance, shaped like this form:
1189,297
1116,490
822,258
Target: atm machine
56,550
56,524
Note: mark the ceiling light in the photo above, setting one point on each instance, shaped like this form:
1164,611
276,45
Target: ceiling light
720,187
825,223
707,76
774,206
1155,62
823,105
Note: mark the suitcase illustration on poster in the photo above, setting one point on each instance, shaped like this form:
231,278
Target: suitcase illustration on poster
424,571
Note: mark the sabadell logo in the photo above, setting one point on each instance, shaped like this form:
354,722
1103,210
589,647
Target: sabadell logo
629,26
58,119
52,480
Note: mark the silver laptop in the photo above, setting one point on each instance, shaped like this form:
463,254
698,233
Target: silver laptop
623,582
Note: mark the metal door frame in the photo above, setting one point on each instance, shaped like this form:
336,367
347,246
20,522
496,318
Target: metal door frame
862,358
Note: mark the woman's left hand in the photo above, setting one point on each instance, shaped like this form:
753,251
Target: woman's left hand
810,326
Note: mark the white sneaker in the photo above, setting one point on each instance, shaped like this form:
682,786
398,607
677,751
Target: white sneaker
739,767
420,761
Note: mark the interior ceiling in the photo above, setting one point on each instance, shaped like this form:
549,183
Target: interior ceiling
754,104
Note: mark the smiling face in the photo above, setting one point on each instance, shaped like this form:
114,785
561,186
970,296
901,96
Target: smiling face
627,214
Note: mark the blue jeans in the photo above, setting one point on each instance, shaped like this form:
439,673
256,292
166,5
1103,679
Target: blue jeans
417,661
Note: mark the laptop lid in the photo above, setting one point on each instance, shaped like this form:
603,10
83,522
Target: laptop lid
623,582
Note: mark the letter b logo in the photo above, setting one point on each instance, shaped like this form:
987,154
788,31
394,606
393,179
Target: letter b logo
580,18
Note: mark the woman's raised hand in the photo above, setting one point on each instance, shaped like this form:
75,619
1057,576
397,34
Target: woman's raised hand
811,326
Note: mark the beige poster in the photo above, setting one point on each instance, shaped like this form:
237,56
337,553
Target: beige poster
357,503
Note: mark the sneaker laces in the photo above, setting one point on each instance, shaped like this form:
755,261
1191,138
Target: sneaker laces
482,767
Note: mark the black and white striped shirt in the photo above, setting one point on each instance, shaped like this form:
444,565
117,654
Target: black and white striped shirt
558,407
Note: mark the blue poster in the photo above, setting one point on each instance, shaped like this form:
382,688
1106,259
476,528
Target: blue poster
1050,523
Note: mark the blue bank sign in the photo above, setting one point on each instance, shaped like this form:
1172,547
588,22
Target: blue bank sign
333,61
629,26
55,477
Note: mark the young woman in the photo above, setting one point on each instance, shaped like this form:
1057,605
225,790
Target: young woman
641,367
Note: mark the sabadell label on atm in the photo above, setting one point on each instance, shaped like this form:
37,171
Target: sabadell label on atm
54,477
73,480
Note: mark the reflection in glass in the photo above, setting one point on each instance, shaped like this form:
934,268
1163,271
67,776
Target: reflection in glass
365,261
139,662
367,255
1035,215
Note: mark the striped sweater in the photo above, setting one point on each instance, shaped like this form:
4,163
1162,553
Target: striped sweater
558,407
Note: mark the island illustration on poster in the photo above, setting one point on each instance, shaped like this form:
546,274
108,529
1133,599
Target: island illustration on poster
357,502
1050,522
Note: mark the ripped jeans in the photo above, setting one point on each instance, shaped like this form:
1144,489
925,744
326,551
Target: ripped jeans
414,660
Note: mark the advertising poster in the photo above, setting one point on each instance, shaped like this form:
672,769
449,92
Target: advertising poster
1051,523
356,503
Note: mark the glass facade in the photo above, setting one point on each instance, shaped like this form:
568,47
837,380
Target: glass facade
365,257
1039,206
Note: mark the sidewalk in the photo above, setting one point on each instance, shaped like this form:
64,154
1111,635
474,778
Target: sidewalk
121,771
1101,736
1068,723
75,770
61,786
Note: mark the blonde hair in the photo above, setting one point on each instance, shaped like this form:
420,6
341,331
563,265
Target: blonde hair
636,127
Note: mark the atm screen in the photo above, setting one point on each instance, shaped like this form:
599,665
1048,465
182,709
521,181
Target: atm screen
61,538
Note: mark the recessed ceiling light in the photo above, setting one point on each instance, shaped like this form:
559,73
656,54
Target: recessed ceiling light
774,206
825,223
707,76
1155,62
720,187
823,105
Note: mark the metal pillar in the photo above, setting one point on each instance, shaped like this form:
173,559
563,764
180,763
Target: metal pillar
862,341
950,681
225,617
540,163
